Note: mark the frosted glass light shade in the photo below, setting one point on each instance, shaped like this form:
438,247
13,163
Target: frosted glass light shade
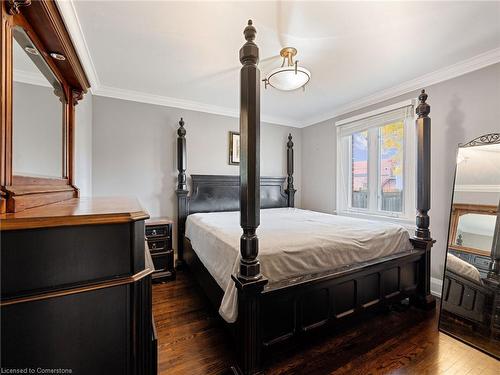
287,79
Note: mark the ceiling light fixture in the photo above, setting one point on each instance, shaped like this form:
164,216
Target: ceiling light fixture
289,76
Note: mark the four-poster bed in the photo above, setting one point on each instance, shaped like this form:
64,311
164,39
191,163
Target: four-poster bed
270,313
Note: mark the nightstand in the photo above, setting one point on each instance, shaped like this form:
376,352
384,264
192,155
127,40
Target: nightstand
159,239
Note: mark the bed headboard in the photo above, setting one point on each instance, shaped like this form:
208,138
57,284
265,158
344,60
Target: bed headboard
212,193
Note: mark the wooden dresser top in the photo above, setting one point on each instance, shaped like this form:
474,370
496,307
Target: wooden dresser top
76,211
159,221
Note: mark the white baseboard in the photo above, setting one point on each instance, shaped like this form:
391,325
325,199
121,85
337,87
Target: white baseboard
436,286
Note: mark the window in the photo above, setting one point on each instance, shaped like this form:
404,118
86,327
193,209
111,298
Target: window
375,163
359,157
391,150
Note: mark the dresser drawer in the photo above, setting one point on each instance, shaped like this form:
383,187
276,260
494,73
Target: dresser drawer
159,238
153,231
163,261
482,262
160,245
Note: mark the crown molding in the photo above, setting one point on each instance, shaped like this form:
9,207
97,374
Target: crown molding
30,78
478,188
70,18
142,97
455,70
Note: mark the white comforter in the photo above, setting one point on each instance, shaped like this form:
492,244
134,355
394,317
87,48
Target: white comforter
291,242
462,268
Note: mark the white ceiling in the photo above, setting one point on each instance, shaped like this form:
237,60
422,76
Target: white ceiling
186,53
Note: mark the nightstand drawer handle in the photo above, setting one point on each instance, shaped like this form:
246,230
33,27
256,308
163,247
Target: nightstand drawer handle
153,232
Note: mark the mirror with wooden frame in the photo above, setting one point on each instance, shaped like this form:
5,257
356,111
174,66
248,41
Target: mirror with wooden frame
472,228
42,81
470,300
37,113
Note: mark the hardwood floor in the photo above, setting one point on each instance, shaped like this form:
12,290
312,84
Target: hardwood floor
192,341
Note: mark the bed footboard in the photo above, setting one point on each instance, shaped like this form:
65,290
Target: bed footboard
467,299
280,313
294,308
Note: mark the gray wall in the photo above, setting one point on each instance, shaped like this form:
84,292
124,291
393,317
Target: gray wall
37,134
37,141
134,150
461,109
83,146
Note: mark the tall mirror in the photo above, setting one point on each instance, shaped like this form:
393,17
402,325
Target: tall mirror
37,113
470,304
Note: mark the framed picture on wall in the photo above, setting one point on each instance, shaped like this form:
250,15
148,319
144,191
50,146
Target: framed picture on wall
234,148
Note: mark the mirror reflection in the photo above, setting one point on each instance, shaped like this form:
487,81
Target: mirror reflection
475,231
37,113
470,303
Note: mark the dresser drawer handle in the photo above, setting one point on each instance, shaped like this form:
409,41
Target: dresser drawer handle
153,232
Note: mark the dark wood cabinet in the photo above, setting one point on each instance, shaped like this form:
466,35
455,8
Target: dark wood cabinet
159,240
76,289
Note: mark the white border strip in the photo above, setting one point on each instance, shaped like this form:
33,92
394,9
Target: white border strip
478,188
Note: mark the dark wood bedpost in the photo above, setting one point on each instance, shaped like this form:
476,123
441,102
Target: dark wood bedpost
494,271
493,279
182,192
422,239
290,191
249,280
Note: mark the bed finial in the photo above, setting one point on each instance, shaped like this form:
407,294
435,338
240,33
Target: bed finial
423,109
181,132
249,53
250,32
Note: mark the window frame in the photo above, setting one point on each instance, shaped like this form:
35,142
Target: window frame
344,145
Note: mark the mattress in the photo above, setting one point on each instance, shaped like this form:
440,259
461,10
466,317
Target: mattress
292,242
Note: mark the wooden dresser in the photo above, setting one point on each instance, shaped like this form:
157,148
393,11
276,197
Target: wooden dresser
76,288
159,240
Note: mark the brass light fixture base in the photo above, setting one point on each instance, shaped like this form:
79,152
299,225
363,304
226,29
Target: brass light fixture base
288,53
285,52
